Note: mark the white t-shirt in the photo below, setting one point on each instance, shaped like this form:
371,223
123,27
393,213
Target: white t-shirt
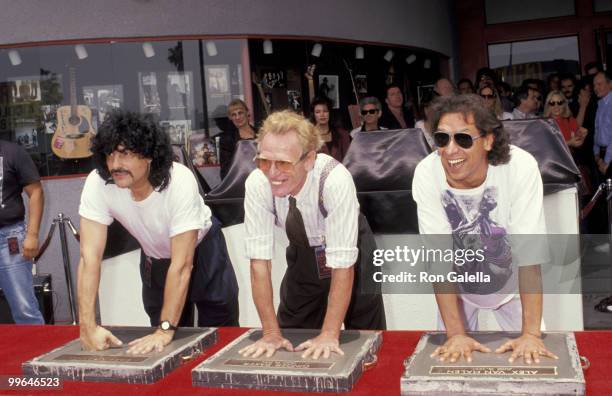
338,231
154,220
512,205
420,124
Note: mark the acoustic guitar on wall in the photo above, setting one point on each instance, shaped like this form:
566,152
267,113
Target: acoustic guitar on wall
72,138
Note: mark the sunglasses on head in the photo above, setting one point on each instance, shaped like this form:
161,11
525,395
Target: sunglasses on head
557,103
371,111
462,139
265,164
484,96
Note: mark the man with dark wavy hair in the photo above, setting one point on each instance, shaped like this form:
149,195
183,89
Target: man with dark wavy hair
483,192
157,200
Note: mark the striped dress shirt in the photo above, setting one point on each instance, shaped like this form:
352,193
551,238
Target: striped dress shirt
338,231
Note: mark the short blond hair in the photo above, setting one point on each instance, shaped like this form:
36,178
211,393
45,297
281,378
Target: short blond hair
237,103
282,122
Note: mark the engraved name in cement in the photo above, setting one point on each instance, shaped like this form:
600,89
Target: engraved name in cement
491,373
287,371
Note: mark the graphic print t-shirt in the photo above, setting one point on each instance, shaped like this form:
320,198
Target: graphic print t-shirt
508,203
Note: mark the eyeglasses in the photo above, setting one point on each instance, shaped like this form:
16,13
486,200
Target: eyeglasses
557,103
265,164
371,111
463,140
491,96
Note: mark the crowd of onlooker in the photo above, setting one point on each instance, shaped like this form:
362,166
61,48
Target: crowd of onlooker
581,108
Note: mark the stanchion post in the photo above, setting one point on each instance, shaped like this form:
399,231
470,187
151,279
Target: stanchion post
61,221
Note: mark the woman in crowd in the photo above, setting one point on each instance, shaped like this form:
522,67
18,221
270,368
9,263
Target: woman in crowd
371,111
424,124
336,140
492,101
557,108
238,113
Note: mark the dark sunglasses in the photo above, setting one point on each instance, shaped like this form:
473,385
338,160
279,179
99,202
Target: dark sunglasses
265,164
463,140
371,111
491,96
557,103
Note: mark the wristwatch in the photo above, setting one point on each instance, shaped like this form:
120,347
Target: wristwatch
165,325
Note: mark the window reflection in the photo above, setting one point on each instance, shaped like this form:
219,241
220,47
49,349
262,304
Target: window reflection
54,100
521,60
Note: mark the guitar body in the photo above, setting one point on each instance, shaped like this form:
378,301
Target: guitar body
72,138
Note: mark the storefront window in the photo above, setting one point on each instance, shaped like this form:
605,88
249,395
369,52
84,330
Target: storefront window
502,11
520,60
602,5
53,98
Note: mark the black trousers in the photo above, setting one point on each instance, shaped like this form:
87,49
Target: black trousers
303,294
210,313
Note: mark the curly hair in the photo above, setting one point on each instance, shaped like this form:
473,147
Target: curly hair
140,134
484,119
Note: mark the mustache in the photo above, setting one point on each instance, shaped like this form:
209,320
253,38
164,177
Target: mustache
120,171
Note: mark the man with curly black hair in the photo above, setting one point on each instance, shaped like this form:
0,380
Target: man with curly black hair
483,192
157,200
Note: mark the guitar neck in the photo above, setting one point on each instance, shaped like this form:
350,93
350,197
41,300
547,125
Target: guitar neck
311,89
73,93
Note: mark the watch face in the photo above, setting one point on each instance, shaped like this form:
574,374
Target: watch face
165,325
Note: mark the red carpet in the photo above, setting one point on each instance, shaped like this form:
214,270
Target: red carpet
20,343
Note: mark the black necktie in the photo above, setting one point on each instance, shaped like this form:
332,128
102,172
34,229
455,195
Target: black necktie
294,225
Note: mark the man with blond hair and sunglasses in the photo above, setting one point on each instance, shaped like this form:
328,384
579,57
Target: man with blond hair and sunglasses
313,198
483,192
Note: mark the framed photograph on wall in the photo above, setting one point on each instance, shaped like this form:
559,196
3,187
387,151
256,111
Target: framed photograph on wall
26,135
217,80
361,83
218,89
179,90
101,99
273,79
25,89
49,117
149,93
203,151
328,87
178,131
294,98
423,90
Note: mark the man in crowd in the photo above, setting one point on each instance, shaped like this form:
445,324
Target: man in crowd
370,114
480,190
465,86
603,123
313,198
157,200
443,87
395,116
568,87
18,243
527,103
